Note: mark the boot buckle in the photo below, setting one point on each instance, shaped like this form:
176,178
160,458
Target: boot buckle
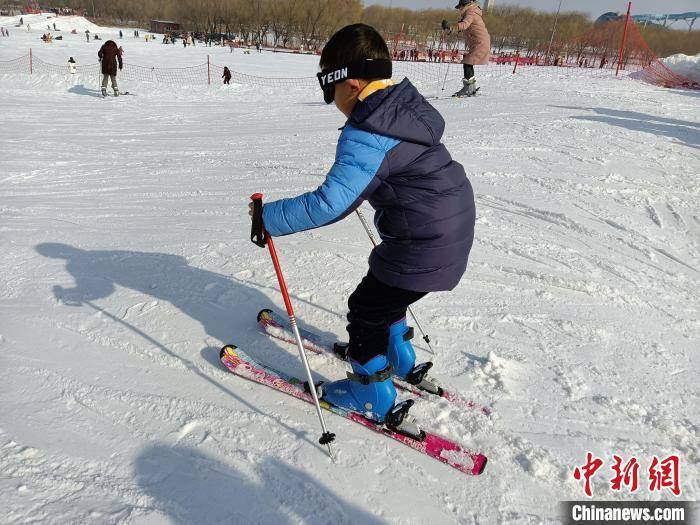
379,377
341,350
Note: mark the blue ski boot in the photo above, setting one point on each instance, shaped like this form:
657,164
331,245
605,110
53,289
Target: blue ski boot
368,390
402,356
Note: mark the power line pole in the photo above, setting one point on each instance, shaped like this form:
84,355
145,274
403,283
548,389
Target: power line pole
554,29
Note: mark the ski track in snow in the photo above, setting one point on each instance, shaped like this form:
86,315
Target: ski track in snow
127,265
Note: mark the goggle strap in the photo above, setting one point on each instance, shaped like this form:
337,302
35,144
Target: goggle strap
367,68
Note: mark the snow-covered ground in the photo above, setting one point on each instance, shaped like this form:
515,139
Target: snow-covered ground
126,265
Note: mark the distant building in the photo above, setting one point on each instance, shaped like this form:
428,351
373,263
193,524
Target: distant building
661,20
164,26
608,17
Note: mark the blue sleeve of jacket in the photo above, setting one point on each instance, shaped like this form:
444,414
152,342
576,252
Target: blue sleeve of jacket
359,157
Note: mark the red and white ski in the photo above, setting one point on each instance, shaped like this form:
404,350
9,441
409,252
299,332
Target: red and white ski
274,325
439,448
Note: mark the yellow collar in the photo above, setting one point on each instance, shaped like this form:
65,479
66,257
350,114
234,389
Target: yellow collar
373,87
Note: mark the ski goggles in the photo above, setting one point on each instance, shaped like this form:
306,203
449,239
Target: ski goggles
365,68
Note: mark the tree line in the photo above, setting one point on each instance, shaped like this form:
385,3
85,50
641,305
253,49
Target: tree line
291,23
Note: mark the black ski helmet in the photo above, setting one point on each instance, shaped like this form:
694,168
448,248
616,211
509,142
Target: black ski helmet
462,3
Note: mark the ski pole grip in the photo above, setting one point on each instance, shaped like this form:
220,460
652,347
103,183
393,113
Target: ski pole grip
257,230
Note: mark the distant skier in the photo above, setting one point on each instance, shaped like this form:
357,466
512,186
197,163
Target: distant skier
477,39
110,57
227,75
21,20
121,35
389,153
87,35
71,66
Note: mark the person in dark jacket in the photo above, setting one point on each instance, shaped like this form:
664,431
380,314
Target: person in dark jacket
110,57
227,75
389,153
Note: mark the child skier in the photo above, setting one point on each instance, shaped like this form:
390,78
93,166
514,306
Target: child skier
388,153
227,75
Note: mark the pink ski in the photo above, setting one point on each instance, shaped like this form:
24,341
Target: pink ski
439,448
276,326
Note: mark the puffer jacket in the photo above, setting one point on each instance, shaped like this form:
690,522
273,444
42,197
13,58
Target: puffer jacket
476,35
109,55
389,153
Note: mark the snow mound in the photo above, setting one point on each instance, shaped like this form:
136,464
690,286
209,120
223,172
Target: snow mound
63,23
685,65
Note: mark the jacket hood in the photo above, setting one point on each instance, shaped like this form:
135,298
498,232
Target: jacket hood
401,112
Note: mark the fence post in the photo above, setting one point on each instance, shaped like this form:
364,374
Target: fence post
624,38
31,64
517,59
208,70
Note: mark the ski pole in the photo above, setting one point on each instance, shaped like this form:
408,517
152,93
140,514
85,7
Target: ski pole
260,237
410,310
446,73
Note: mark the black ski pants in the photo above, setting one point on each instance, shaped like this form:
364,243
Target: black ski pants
373,307
468,71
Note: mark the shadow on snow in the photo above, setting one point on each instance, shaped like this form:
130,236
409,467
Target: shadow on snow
82,90
687,133
226,308
191,487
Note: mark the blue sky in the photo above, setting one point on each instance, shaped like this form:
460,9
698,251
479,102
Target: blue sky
594,7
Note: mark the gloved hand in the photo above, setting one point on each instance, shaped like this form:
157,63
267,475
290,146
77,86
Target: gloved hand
445,25
258,236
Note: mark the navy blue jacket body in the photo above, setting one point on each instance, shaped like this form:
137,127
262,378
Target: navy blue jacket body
389,153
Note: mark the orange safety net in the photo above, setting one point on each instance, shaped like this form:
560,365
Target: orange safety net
592,54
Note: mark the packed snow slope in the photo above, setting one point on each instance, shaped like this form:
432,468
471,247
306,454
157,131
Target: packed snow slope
126,265
64,24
